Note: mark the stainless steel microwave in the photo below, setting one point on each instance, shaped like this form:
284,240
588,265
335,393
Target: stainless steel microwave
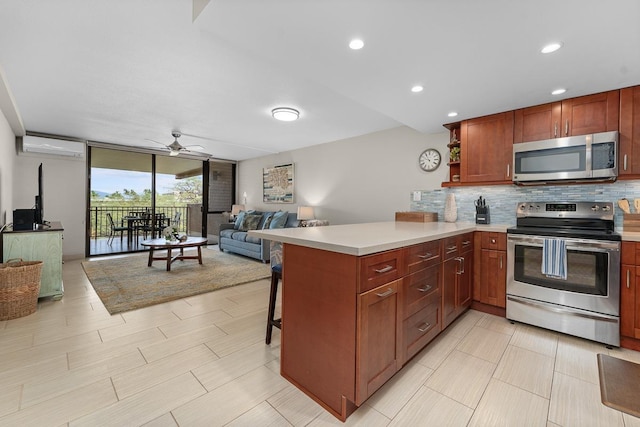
574,158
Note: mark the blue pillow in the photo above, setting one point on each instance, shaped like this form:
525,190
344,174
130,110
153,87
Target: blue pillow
279,219
240,217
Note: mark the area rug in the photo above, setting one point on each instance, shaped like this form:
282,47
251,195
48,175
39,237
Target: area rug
619,384
126,283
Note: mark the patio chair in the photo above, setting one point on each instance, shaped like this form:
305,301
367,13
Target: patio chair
114,229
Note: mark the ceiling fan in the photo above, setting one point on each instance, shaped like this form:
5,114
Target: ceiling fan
176,148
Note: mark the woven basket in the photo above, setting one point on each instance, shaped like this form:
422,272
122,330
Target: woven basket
19,288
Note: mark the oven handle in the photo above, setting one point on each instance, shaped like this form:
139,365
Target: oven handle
563,310
582,245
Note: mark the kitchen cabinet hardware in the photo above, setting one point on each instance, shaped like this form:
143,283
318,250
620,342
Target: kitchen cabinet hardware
425,288
424,327
386,294
425,256
385,269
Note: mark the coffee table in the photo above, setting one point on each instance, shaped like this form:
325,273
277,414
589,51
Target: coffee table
159,244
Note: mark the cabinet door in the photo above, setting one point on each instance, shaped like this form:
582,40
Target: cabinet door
486,147
629,138
537,123
449,284
628,301
591,113
493,278
378,339
463,284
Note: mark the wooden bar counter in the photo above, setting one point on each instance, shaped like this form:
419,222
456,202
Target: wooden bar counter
360,300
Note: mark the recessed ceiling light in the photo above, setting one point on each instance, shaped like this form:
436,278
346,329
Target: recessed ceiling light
558,91
551,47
417,88
285,114
356,44
452,114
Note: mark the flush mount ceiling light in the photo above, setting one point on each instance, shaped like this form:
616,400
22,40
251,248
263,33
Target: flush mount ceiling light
417,89
285,114
551,47
558,91
452,114
356,44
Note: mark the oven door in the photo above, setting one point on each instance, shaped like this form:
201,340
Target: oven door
593,274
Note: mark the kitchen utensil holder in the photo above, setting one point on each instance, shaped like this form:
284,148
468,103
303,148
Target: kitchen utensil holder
482,215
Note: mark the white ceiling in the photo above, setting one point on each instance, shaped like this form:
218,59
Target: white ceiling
124,71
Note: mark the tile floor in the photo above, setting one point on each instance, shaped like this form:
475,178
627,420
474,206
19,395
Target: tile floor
201,361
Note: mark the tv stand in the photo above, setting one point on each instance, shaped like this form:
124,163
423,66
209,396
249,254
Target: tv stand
42,244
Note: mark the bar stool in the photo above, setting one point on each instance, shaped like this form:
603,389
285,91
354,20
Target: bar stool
276,277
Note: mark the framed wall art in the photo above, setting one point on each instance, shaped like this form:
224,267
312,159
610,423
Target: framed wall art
277,184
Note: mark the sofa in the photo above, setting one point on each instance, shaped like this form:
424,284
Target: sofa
234,237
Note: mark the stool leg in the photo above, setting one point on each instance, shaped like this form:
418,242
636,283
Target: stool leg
275,277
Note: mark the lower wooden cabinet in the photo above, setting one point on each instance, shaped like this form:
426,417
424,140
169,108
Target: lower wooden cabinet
490,286
378,335
630,293
457,274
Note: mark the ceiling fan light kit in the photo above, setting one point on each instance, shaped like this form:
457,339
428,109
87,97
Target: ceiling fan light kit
285,114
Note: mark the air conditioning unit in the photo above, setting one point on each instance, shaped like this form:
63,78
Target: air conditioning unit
52,146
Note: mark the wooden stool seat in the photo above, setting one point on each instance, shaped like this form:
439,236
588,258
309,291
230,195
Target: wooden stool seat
276,276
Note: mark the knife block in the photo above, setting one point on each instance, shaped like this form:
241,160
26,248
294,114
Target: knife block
482,215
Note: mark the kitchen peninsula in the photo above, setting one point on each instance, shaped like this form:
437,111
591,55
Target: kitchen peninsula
360,300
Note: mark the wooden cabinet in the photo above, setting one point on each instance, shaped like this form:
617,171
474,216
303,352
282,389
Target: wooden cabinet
573,116
490,270
630,295
457,271
39,245
378,335
629,137
486,145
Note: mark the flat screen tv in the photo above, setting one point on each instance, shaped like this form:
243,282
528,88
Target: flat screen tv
39,209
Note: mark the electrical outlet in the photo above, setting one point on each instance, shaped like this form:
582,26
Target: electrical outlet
417,196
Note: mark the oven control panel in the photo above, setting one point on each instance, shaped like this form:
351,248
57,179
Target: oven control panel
595,210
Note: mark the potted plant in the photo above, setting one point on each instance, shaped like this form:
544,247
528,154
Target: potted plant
454,154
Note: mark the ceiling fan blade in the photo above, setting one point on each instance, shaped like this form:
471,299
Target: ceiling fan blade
194,147
164,145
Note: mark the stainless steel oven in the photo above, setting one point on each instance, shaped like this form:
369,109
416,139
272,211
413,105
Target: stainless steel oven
585,301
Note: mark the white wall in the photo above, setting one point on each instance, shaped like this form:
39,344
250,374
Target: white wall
362,179
7,158
64,195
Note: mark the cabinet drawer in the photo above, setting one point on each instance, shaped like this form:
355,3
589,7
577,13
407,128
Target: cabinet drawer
450,247
418,257
420,329
466,242
494,241
421,289
380,268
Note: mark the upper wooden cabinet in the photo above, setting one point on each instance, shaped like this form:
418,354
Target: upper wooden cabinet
574,116
485,148
629,138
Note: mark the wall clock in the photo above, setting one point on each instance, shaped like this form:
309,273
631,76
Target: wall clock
429,159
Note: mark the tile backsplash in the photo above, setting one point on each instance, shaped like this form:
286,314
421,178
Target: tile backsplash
502,199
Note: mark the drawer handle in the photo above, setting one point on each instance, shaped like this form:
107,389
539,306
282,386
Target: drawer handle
466,243
425,288
384,270
385,294
424,327
628,278
425,256
452,248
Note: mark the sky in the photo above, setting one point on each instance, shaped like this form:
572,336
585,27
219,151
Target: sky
112,180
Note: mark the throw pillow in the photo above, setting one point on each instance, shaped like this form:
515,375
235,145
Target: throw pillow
240,217
250,222
279,219
267,221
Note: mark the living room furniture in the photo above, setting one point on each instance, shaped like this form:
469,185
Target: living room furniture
43,244
234,238
276,276
162,243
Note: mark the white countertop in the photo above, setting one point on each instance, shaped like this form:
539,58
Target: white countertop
368,238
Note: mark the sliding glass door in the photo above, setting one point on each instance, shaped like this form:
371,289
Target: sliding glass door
134,196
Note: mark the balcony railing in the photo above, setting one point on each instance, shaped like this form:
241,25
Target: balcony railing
100,226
